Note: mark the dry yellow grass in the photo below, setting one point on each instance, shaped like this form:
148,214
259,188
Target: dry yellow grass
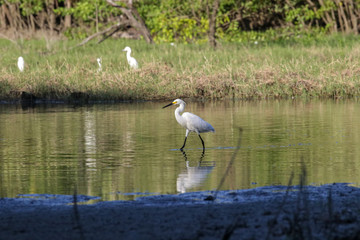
186,71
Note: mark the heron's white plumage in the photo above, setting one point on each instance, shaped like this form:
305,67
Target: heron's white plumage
190,121
21,64
99,63
196,123
131,61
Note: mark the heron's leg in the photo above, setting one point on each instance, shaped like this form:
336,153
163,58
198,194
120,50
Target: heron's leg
202,141
186,135
183,144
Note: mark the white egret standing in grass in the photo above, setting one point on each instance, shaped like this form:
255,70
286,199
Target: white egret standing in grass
21,64
132,61
191,122
99,63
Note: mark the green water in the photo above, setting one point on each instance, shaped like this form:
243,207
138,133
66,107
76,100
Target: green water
126,150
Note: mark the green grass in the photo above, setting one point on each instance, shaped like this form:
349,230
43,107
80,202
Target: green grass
327,67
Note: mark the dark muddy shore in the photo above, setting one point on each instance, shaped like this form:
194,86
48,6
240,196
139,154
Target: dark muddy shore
277,212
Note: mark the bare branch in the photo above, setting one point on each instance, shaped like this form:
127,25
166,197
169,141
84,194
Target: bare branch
113,32
119,25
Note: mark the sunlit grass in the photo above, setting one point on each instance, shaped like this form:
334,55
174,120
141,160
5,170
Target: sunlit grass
328,68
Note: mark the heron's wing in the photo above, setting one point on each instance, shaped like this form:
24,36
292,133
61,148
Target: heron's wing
196,123
133,63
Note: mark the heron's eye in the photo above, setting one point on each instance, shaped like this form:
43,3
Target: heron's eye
174,102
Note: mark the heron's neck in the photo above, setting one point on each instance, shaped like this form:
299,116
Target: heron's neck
128,54
180,109
178,117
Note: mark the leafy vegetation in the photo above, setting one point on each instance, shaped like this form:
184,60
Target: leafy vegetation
188,21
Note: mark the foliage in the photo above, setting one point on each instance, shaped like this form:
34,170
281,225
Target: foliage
30,7
237,21
187,21
174,20
86,10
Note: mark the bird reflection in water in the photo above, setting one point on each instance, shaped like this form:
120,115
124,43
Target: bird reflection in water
193,177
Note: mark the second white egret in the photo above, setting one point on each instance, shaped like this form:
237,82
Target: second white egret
21,64
131,61
191,122
99,63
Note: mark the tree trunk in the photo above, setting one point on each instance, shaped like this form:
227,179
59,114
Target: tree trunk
328,19
344,23
137,23
212,24
67,22
3,17
13,17
353,17
141,24
334,19
51,15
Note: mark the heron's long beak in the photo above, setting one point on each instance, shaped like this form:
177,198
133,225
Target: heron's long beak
168,105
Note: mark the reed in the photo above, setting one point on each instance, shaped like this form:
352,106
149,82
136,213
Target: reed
327,68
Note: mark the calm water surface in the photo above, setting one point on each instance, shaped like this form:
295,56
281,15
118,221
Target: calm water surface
126,150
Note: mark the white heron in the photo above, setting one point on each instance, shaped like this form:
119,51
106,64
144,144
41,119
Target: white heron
132,61
191,122
21,64
99,63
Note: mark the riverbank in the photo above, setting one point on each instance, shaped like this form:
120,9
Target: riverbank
327,69
276,212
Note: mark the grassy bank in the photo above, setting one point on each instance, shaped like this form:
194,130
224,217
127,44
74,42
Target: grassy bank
321,68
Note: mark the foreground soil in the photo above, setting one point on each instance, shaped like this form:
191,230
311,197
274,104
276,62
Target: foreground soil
280,212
